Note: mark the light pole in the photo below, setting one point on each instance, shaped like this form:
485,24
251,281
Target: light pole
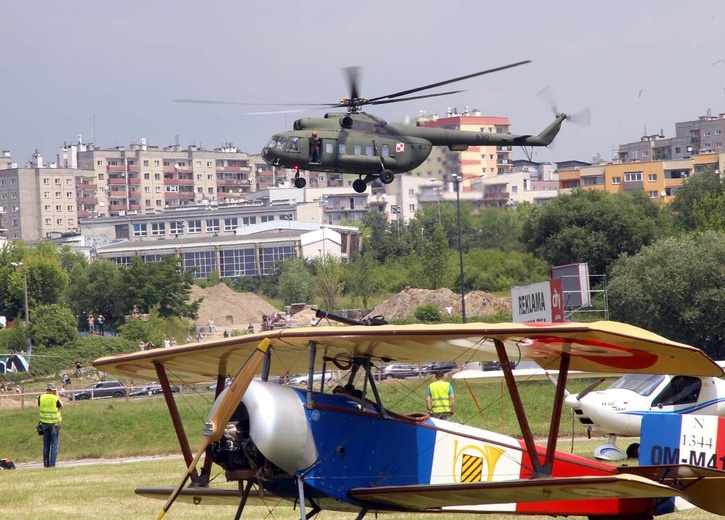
25,290
457,181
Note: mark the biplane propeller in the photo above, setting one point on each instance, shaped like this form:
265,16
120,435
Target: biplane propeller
348,452
366,145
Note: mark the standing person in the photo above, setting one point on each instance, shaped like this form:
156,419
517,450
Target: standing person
50,419
439,397
212,327
78,368
101,320
167,342
91,324
288,320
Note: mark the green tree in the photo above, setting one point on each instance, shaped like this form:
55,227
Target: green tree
295,282
495,270
96,288
427,313
52,326
709,212
158,283
432,269
362,277
593,226
693,191
329,277
676,288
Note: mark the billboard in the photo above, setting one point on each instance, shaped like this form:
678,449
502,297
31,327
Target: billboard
537,302
575,284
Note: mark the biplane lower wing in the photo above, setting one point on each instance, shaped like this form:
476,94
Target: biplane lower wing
436,496
212,497
702,487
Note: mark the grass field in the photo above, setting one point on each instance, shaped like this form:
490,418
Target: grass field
119,428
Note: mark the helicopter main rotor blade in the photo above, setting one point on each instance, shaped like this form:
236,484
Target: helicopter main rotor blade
441,83
400,100
216,102
353,75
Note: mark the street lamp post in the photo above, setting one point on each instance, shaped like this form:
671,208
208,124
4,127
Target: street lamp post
457,180
25,290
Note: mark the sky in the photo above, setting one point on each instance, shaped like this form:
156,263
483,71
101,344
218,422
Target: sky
110,70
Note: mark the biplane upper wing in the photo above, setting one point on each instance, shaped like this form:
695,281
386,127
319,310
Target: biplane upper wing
434,496
602,346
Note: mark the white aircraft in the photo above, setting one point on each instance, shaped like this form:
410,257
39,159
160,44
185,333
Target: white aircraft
618,410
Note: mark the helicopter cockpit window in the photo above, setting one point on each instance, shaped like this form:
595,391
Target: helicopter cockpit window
272,143
643,384
681,390
281,142
369,150
293,144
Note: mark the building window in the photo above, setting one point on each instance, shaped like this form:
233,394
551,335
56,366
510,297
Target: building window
212,225
176,227
653,194
47,222
210,177
147,176
71,222
99,163
147,202
139,230
70,208
69,181
46,194
633,177
58,208
59,221
46,207
248,221
158,202
146,162
211,191
514,190
230,224
45,181
158,229
68,194
198,163
616,180
652,177
195,226
147,189
198,176
157,176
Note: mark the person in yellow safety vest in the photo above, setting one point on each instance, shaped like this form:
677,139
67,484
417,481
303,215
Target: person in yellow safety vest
440,398
50,420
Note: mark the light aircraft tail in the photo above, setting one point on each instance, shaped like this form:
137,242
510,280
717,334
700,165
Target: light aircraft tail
686,452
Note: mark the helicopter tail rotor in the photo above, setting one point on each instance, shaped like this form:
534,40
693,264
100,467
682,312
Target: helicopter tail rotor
582,117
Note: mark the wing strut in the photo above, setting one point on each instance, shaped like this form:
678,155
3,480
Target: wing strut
175,417
556,412
519,409
311,373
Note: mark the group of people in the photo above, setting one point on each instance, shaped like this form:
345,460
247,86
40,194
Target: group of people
99,320
268,322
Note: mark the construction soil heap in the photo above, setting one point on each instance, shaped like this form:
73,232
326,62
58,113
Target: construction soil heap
230,309
478,303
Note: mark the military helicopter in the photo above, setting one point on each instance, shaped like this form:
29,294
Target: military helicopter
355,142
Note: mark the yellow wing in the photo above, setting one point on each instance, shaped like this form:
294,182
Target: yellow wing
602,346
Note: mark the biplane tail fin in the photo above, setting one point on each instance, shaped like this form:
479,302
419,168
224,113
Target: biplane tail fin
221,413
685,452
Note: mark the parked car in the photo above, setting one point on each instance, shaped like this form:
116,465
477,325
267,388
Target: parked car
226,384
150,389
438,366
301,379
101,389
400,371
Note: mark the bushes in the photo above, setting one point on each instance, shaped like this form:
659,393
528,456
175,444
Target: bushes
427,313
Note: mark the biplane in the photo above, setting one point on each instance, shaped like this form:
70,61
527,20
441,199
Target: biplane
343,452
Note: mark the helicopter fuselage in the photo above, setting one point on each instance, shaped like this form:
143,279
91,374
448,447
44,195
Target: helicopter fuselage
365,144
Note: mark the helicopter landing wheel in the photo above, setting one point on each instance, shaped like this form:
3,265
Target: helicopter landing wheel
359,185
633,450
300,182
386,176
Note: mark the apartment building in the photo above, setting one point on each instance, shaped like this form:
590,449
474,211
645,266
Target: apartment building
658,179
703,135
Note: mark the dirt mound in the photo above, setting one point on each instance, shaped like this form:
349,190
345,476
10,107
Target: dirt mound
230,309
478,303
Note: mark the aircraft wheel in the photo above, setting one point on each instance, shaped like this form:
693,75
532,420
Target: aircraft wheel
386,176
359,185
300,182
633,450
